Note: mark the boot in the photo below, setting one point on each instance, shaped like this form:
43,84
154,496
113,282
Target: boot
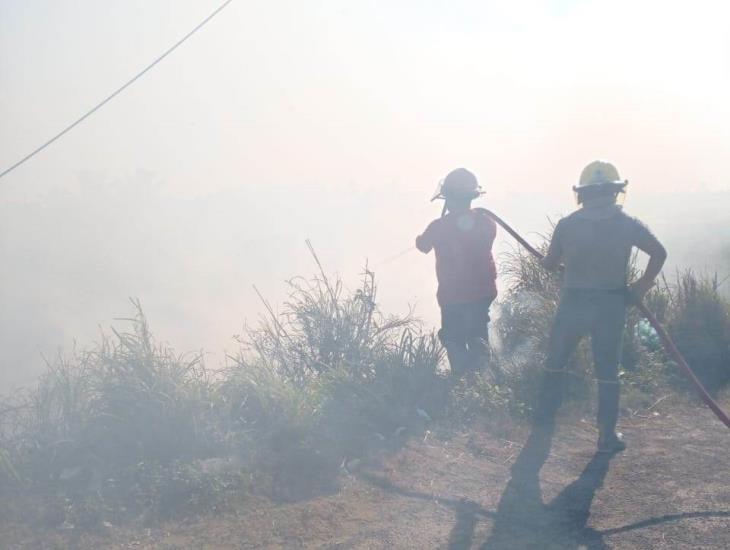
458,358
610,442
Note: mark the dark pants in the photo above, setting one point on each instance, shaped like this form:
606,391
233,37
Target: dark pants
602,315
465,335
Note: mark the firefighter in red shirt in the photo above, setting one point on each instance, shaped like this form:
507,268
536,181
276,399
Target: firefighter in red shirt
462,239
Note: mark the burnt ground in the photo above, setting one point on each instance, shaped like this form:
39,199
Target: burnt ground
669,489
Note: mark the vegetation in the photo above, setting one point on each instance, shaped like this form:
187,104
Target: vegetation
130,430
695,312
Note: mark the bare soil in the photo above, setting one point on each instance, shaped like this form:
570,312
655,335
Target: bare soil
669,489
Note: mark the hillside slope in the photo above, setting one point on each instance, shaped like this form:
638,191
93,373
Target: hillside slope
670,489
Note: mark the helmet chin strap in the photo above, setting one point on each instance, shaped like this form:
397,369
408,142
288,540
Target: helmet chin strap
604,200
598,202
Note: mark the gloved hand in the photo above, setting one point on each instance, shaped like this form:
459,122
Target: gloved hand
639,288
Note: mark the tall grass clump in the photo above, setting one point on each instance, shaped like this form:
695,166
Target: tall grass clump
698,320
100,422
331,377
130,425
323,326
131,430
127,401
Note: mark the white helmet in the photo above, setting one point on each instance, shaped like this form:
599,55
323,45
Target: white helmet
459,183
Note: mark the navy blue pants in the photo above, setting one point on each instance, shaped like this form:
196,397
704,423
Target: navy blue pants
465,335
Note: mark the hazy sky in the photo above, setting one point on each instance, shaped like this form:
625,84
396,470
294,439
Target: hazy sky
374,93
356,109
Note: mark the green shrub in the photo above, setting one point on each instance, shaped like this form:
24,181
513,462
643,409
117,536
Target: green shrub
149,403
126,401
330,378
98,413
129,429
322,326
179,488
698,321
403,390
8,473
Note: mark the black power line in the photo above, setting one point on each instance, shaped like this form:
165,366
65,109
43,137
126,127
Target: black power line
116,92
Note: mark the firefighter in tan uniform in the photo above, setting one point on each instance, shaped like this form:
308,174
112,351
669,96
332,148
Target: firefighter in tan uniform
594,244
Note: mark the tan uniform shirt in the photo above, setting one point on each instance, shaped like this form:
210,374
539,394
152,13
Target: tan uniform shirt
595,246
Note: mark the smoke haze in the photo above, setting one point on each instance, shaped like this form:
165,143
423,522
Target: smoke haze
332,121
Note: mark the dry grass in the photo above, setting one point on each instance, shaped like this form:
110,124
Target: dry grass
130,429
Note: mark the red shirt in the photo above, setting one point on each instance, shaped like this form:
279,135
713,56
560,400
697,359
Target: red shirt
464,264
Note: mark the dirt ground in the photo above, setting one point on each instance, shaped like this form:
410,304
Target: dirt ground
669,489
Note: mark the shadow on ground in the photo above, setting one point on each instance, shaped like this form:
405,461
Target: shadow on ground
522,520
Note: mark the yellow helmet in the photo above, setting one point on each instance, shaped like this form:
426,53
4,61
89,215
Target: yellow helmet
600,174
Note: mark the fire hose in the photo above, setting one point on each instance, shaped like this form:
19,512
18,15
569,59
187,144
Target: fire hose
669,345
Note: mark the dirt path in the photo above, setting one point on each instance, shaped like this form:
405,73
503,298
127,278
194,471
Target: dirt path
670,489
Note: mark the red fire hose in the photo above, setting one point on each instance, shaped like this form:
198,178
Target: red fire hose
669,345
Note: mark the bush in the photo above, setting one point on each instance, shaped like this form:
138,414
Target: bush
329,379
698,321
8,473
127,401
403,390
129,429
99,413
323,327
127,425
